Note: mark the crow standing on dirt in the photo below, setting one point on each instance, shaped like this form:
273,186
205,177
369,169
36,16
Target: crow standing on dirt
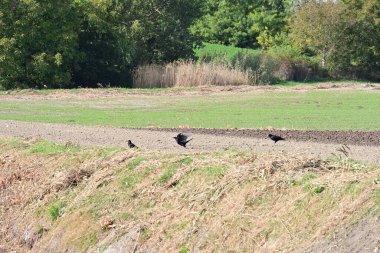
182,139
275,138
131,144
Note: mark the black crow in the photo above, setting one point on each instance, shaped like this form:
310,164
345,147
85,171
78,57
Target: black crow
182,139
131,145
275,138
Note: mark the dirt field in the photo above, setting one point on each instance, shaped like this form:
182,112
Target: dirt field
308,143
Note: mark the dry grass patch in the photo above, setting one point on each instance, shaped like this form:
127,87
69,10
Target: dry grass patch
87,199
188,74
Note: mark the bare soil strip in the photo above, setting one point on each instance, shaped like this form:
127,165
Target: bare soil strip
371,138
207,140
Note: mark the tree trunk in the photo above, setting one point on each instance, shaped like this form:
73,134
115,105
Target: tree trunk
323,59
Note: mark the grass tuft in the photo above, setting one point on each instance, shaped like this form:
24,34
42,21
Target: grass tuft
306,178
184,250
56,210
135,163
51,148
169,172
318,189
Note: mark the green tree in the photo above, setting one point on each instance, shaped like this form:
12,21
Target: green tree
106,50
83,42
363,45
160,29
315,26
345,40
247,23
38,43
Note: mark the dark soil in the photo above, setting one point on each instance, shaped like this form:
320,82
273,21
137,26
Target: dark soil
362,146
335,137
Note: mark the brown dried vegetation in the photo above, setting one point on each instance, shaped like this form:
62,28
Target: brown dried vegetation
207,202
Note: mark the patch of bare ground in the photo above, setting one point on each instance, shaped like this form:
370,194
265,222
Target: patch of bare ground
102,200
362,146
350,238
369,138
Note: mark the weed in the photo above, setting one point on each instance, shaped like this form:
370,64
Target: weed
184,250
294,182
313,188
56,210
318,189
40,230
303,180
144,234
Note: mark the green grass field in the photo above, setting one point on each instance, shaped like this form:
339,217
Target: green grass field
350,109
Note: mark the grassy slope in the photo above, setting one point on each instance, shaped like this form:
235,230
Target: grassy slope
74,199
314,109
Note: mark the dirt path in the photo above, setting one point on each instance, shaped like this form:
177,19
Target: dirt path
163,140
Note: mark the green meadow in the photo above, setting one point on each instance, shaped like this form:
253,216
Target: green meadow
345,109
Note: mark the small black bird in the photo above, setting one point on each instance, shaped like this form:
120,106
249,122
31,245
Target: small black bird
131,145
182,139
275,138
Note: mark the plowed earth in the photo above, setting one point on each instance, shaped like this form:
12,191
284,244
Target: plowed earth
363,146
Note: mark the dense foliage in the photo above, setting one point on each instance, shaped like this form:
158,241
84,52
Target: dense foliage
344,35
85,42
247,23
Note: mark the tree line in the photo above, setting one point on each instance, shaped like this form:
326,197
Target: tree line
63,44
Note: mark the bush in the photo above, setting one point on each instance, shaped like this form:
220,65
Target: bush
242,67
